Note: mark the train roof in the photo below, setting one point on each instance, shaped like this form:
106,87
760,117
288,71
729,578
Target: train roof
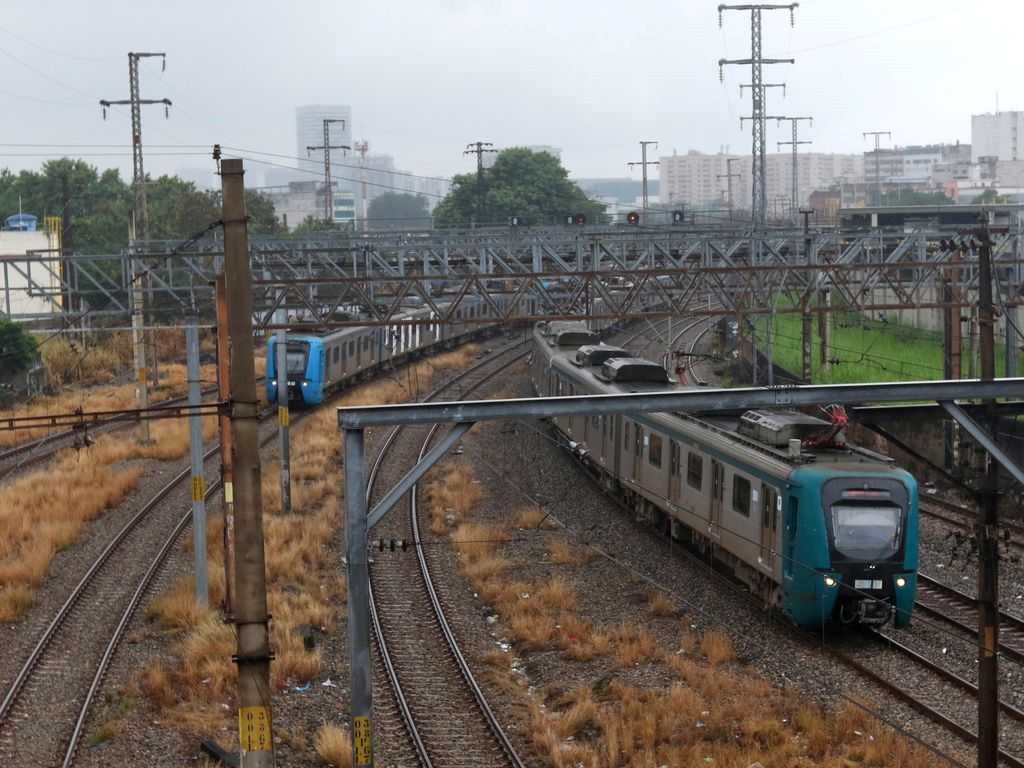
633,370
568,333
597,354
765,437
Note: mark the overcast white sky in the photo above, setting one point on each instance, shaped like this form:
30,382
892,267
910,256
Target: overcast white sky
425,77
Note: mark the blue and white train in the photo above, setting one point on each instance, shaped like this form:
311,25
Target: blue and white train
822,530
319,364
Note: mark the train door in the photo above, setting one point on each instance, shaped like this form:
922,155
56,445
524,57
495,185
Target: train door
717,494
639,440
770,506
674,475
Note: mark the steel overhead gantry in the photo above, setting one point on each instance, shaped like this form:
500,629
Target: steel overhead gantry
463,415
543,274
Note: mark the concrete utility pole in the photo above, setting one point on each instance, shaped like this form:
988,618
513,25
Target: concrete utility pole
729,175
878,161
988,528
141,230
255,730
326,147
757,89
362,147
794,198
477,148
643,166
226,447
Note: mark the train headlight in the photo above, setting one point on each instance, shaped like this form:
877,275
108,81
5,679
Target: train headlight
829,581
273,382
900,581
305,383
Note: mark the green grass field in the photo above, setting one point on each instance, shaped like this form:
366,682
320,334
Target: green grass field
868,350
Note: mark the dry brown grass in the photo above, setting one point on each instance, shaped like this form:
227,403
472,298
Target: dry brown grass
533,517
661,604
717,647
451,495
562,551
110,397
334,745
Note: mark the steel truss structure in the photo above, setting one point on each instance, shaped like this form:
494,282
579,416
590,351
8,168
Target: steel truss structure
540,274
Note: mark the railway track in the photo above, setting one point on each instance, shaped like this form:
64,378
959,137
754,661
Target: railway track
446,715
42,449
965,518
73,653
960,610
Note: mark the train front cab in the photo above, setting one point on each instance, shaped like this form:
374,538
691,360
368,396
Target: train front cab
850,547
304,358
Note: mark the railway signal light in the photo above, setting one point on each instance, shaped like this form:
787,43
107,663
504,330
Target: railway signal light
576,218
633,217
513,221
677,217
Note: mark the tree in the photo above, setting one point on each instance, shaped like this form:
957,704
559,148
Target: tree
261,213
530,185
17,348
989,197
393,210
93,207
311,225
915,197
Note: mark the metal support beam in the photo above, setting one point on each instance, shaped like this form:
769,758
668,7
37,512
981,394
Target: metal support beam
984,439
698,400
360,663
418,471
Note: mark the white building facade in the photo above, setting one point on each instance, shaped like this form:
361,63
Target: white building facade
997,135
700,180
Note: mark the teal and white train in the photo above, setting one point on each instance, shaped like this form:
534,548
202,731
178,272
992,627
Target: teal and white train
819,529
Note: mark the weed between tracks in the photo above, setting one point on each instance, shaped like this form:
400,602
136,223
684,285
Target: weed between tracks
703,707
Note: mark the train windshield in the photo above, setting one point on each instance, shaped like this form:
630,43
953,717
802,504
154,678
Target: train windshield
867,531
296,355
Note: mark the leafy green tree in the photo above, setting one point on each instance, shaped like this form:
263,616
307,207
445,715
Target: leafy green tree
530,185
17,348
393,210
93,207
914,197
311,225
989,197
262,217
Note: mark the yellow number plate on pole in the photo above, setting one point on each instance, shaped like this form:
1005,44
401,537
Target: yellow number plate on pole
254,732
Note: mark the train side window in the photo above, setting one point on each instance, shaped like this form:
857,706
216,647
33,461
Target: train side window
337,353
741,495
625,435
351,348
673,458
654,450
695,470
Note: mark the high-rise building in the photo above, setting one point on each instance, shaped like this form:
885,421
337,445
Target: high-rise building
309,132
696,179
998,135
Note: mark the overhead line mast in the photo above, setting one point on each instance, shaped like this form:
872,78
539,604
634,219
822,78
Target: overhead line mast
327,147
644,162
477,148
794,193
878,158
137,296
757,88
